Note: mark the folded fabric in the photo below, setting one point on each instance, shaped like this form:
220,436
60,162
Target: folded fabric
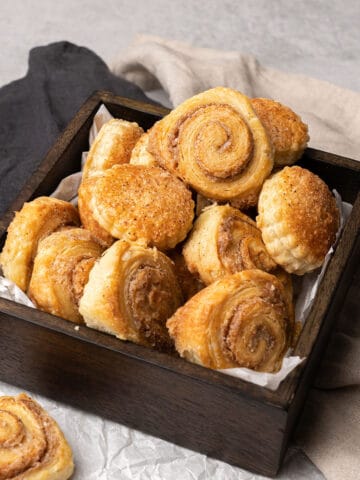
333,113
329,431
36,108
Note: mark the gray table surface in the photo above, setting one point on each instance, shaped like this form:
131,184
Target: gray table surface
315,38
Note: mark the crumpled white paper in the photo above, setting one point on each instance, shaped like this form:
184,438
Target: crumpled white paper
306,285
104,450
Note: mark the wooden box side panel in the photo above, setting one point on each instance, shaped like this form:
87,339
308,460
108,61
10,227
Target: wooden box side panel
177,408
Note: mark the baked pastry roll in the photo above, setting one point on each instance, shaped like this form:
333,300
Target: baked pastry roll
132,291
140,154
32,446
225,241
136,202
112,146
242,320
298,219
217,145
61,270
36,220
288,134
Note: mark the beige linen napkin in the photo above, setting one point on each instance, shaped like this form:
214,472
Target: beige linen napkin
329,430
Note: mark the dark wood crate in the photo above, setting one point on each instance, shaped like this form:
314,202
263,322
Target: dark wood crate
204,410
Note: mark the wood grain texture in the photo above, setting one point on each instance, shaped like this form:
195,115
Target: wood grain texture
163,395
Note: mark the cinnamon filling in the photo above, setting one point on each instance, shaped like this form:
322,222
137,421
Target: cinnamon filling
240,246
217,138
151,303
80,277
11,430
255,335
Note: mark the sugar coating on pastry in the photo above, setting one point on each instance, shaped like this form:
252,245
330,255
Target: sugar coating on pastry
288,134
32,446
298,218
32,223
112,146
137,202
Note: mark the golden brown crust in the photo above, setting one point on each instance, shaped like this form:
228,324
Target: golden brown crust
132,291
61,270
216,144
288,134
241,320
112,146
136,202
87,218
36,220
140,154
298,218
32,446
225,241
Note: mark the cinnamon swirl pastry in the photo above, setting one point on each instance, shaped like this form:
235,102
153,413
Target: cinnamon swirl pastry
140,154
217,145
137,202
61,270
112,146
35,221
132,291
225,241
32,446
288,134
298,219
241,320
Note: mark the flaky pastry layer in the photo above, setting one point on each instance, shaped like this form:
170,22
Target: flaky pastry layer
216,144
32,446
112,146
242,320
288,133
132,291
36,220
225,241
298,219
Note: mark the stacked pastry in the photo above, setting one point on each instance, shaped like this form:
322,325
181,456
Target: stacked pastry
138,257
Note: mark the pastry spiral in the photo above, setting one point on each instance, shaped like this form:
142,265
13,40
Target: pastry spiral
241,320
298,219
61,270
32,446
137,202
225,241
112,146
35,221
288,134
217,145
132,291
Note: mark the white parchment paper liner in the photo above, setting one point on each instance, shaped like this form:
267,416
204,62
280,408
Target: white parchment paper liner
306,285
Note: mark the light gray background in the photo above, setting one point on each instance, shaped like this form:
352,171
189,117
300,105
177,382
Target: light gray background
316,38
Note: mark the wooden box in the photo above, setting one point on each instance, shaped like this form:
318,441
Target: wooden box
204,410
